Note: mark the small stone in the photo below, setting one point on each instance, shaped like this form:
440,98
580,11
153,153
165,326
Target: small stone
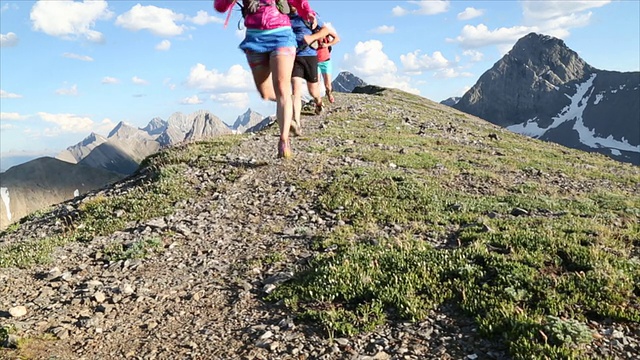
54,273
99,296
342,341
127,289
66,276
519,212
60,332
18,311
382,356
472,356
11,341
266,335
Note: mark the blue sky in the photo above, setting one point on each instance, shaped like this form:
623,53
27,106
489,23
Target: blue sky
69,68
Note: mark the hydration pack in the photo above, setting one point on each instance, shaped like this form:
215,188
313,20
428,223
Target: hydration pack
252,6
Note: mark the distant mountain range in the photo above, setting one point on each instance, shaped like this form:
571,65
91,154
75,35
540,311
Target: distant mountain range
543,89
97,160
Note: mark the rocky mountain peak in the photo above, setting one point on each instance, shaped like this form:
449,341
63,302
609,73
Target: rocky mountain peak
548,57
156,126
121,129
542,88
249,119
92,138
346,82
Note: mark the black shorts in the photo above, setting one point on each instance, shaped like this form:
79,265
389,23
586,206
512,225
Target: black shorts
306,67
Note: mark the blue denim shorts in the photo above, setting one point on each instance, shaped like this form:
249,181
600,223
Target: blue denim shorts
267,41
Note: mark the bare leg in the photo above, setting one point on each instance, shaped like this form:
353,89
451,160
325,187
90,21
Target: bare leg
298,83
327,86
314,91
264,84
281,67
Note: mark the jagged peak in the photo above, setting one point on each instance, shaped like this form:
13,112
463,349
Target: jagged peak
121,125
93,137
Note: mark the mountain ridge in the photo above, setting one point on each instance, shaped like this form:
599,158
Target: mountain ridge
398,219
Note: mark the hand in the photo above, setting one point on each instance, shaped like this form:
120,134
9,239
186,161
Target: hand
313,20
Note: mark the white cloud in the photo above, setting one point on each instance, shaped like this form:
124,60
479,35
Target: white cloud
236,79
110,80
470,13
8,40
164,45
66,123
425,7
451,73
69,19
384,29
138,81
478,36
416,63
370,62
474,55
399,11
546,10
7,126
191,100
72,91
158,21
203,18
12,116
553,18
8,95
77,57
232,100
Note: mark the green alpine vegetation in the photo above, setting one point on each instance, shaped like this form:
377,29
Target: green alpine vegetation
530,239
434,209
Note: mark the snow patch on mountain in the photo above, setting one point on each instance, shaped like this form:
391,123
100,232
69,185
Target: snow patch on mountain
574,112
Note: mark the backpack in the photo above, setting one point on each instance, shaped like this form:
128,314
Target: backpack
251,6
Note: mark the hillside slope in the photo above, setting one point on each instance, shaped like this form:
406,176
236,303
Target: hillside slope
402,229
43,182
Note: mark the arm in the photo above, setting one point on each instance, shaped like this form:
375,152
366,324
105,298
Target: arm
334,38
304,9
223,5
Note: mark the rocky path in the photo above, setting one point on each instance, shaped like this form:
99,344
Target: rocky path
201,295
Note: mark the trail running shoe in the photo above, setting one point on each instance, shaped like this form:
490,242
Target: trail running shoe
319,108
284,149
295,129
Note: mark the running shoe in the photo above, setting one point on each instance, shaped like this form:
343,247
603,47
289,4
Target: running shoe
284,149
319,108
